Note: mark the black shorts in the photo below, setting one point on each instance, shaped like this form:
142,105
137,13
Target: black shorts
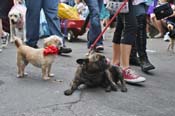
126,26
5,6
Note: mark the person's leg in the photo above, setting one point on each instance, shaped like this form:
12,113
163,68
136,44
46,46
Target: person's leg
33,21
95,26
125,50
134,60
51,11
148,26
129,37
116,41
141,40
115,54
1,30
139,9
160,28
157,24
141,44
5,7
4,36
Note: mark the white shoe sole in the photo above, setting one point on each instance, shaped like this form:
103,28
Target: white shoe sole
140,80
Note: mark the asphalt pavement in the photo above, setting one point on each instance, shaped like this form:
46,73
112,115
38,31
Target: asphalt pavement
31,96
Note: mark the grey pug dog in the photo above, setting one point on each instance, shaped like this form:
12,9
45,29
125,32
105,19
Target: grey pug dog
95,70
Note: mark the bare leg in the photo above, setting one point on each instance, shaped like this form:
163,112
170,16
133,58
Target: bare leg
116,54
1,30
125,50
158,25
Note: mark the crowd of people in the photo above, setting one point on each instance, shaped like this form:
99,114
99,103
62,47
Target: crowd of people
129,38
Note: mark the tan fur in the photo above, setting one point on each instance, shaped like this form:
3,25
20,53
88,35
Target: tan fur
172,40
17,21
26,54
171,45
18,1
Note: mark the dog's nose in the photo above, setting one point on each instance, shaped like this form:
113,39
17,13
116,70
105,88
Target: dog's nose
13,22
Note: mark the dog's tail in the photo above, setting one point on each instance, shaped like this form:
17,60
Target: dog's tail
18,42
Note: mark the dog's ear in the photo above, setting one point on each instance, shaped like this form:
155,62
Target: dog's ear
82,61
57,41
45,43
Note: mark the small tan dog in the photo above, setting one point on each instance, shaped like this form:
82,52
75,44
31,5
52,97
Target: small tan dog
172,37
41,58
17,21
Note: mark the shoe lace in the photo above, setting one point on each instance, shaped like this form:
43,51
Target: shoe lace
131,73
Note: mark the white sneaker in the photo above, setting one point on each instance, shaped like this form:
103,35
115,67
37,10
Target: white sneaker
148,35
166,37
0,50
5,40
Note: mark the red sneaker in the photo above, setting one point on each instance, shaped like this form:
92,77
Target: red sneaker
130,76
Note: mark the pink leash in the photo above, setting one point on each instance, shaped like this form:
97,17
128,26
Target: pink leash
108,24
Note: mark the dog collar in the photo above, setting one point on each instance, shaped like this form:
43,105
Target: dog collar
50,50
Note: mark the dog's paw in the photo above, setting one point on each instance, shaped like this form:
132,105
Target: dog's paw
124,89
46,78
114,88
51,75
68,92
108,89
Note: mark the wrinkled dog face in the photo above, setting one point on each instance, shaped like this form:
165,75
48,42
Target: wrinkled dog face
96,70
95,62
15,17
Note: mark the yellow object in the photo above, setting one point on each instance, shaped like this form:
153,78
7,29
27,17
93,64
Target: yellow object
67,12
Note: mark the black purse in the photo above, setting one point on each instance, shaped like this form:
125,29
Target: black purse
163,10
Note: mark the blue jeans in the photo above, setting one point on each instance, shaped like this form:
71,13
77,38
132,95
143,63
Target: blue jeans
95,7
50,8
